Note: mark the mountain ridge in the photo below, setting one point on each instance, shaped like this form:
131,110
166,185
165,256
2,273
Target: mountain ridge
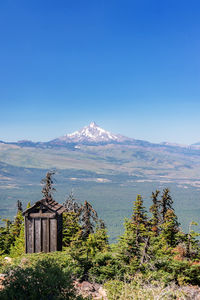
94,135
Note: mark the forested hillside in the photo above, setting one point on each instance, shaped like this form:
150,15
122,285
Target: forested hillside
152,253
109,176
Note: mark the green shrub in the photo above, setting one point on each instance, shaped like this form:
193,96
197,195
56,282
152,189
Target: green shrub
44,280
104,267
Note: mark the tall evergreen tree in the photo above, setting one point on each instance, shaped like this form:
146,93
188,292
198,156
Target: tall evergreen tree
18,246
71,220
154,209
72,205
132,242
139,220
88,219
6,238
192,243
17,224
166,203
11,231
101,236
48,188
170,228
128,250
19,206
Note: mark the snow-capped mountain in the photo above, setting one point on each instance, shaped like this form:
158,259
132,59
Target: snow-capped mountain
90,134
93,134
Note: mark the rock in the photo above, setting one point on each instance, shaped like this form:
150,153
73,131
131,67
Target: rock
24,261
2,277
88,289
87,286
8,259
102,293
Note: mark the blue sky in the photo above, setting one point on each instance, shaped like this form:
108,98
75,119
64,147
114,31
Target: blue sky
133,67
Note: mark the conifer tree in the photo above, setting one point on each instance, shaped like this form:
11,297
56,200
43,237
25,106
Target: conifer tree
6,238
165,203
97,241
139,220
17,224
101,236
28,205
48,188
132,243
71,204
88,218
154,209
71,219
71,227
127,248
170,228
19,206
11,230
18,246
192,244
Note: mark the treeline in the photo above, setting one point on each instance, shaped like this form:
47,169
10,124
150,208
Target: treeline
153,246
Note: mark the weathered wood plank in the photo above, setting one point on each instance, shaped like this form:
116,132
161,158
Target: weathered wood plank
44,235
53,235
25,234
59,238
29,232
41,235
48,235
33,235
42,215
37,235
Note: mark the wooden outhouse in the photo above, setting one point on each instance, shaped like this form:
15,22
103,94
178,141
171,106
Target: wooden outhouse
43,226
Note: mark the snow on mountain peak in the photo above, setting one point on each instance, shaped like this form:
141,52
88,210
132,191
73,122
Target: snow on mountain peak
92,134
93,124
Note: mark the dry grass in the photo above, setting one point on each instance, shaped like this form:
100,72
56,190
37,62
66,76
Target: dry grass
132,291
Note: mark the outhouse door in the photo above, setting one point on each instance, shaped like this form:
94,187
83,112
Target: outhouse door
41,232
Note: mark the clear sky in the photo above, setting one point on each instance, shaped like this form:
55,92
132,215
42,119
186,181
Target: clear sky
132,66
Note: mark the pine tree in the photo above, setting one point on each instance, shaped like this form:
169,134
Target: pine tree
6,238
192,244
19,206
97,241
48,188
101,237
11,230
28,205
71,227
166,203
139,220
71,220
17,224
154,209
18,246
170,228
132,242
71,204
88,218
128,250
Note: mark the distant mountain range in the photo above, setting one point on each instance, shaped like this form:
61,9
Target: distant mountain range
105,168
94,135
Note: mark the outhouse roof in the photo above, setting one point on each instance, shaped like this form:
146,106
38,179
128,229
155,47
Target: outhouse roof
50,204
